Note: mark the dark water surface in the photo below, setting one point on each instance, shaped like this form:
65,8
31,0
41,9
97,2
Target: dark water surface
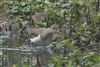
15,52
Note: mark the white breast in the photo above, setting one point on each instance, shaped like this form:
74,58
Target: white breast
36,40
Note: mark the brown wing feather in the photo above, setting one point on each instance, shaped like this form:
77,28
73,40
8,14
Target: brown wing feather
47,34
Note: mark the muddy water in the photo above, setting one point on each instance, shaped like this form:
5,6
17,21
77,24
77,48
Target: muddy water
15,52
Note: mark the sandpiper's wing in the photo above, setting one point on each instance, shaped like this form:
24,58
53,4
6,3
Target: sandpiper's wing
47,34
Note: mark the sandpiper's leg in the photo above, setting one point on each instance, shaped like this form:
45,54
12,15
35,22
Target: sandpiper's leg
38,61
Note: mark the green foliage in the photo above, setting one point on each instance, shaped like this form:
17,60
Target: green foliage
80,38
40,24
68,44
21,22
58,62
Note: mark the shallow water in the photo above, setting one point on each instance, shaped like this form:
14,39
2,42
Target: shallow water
15,51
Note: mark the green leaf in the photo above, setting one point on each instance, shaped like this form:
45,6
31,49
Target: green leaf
83,38
59,45
81,2
58,63
68,44
40,24
86,57
91,53
24,22
69,64
97,58
23,3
